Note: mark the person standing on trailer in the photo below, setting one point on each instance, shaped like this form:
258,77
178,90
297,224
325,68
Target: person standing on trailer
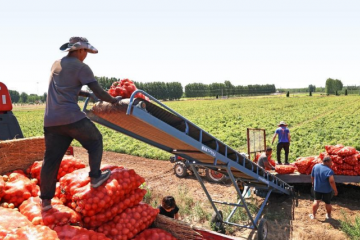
323,182
64,121
284,139
264,159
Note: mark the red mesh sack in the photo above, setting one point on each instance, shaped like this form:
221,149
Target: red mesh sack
154,234
333,150
272,163
323,155
336,159
351,160
10,220
130,200
90,201
285,169
357,168
336,168
19,188
349,172
346,166
125,88
313,163
71,183
303,163
68,165
32,233
68,232
130,222
58,215
347,151
2,187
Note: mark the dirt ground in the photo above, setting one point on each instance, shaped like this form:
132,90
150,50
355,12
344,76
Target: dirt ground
288,218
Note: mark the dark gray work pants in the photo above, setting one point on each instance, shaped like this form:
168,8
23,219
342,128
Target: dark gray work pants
57,141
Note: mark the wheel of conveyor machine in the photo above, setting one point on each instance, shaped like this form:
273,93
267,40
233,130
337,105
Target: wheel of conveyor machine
262,229
180,169
216,223
214,176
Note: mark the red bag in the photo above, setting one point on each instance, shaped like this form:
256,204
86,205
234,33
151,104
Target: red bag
154,234
285,169
10,220
68,232
323,155
68,165
58,215
350,172
346,166
351,160
130,222
333,150
89,201
303,163
357,168
19,188
131,199
2,187
272,163
313,163
31,233
257,156
72,182
347,151
336,159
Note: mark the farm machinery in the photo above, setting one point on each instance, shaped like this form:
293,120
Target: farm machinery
156,124
182,168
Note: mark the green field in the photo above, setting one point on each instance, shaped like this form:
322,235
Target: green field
313,121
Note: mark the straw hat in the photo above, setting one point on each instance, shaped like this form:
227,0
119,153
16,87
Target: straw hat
282,123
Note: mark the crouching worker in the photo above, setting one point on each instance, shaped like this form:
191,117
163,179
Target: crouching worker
264,159
64,121
168,207
322,178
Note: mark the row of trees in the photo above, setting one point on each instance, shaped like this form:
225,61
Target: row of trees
226,89
16,97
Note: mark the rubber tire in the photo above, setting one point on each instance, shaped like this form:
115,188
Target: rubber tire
210,177
219,226
180,170
262,229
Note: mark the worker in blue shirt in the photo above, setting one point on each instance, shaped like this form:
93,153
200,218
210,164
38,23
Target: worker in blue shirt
322,179
284,141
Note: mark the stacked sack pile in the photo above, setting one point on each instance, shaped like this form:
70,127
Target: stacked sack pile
112,211
125,88
346,160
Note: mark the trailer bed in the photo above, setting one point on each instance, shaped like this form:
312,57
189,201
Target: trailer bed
302,178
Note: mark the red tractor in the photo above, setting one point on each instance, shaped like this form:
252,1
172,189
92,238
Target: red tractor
182,169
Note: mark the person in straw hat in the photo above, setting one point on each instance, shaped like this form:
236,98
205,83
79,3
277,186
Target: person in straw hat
284,139
64,121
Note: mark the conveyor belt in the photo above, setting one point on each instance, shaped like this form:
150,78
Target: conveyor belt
160,126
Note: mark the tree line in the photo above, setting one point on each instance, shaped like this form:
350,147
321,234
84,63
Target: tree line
23,97
226,89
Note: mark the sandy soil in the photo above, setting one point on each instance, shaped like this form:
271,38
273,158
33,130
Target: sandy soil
287,217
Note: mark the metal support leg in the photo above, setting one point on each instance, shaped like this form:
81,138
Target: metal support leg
263,205
241,197
205,190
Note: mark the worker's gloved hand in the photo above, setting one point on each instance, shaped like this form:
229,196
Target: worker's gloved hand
117,99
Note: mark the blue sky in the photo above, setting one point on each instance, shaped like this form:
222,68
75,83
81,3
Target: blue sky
289,43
